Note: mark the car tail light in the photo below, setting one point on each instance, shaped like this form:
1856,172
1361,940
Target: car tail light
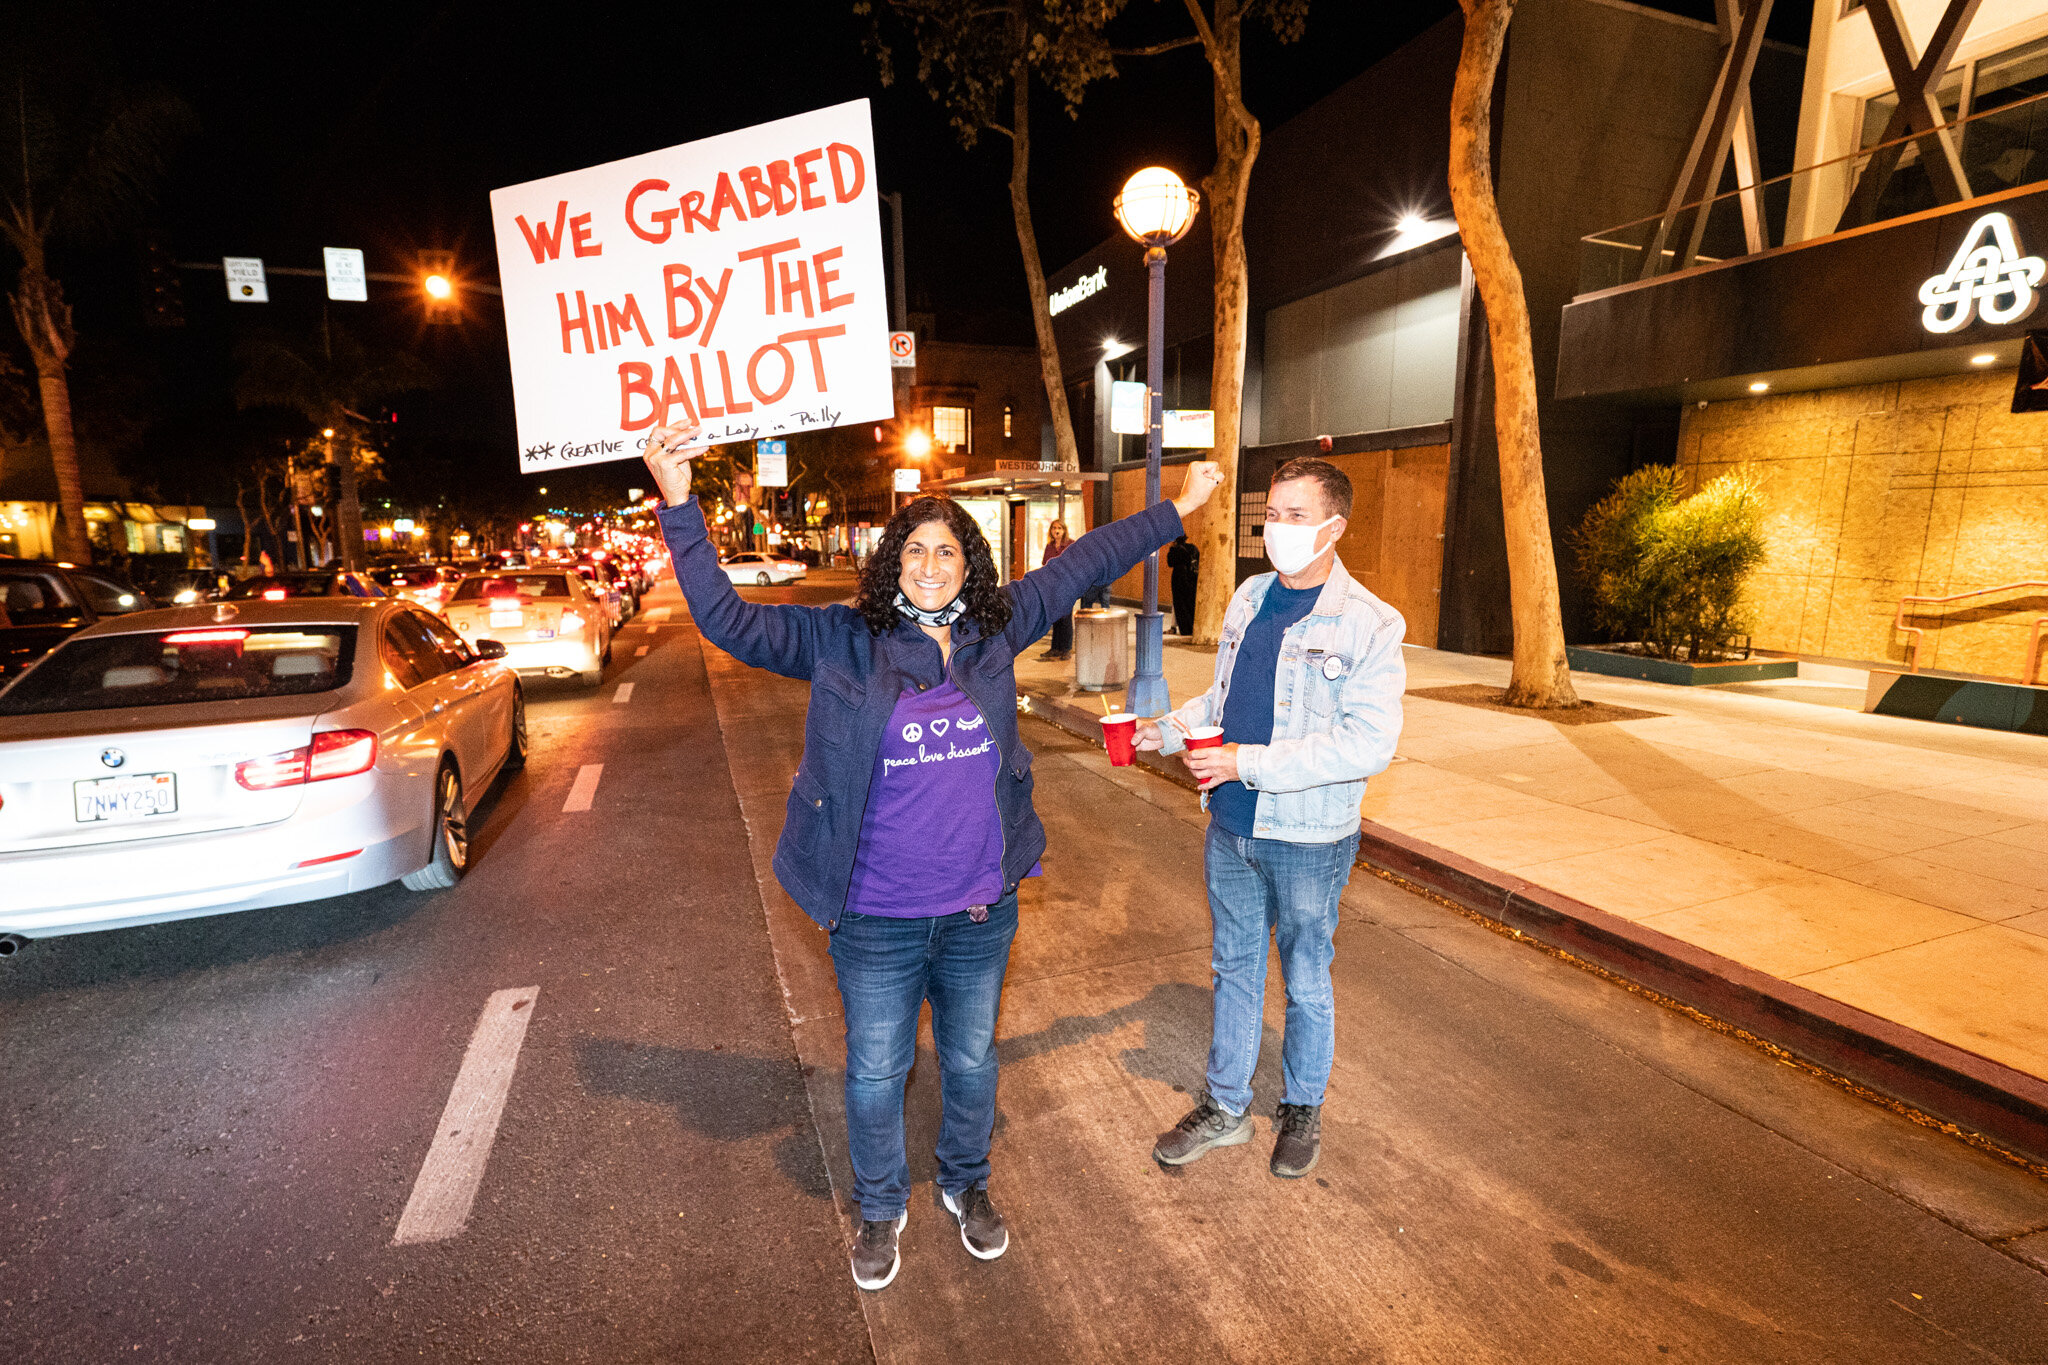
333,753
572,621
274,594
342,753
206,637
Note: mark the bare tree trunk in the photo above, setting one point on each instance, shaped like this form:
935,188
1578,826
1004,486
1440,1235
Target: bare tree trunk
1541,677
1237,149
44,320
348,509
1034,269
242,511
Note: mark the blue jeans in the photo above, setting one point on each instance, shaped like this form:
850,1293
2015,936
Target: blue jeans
887,969
1257,886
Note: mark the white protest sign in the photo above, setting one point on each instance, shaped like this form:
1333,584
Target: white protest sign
737,280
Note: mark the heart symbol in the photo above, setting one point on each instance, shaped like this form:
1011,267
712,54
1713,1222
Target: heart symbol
940,726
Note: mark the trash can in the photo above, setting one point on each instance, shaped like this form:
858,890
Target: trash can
1101,651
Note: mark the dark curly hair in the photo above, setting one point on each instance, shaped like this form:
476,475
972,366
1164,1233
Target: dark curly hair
987,605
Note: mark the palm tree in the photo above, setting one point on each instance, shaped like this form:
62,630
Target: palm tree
76,161
331,381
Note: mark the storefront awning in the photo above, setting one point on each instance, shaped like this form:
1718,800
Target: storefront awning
1015,481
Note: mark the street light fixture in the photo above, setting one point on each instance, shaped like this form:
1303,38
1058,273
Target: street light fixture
1156,209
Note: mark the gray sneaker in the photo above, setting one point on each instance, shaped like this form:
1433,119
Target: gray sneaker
1207,1125
1299,1144
875,1259
981,1227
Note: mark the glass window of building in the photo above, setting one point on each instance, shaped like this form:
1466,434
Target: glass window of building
953,428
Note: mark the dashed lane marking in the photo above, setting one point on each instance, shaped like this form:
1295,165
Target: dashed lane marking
454,1167
640,653
624,694
583,788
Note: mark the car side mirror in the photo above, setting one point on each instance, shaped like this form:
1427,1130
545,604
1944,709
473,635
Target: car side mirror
490,649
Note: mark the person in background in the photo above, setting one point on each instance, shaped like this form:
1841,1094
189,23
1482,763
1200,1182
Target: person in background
909,826
1184,563
1308,692
1062,629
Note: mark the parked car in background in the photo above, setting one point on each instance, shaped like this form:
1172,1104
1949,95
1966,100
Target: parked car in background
750,566
183,587
549,621
44,602
305,583
199,760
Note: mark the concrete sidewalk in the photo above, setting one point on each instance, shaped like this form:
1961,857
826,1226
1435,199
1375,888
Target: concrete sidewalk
1896,867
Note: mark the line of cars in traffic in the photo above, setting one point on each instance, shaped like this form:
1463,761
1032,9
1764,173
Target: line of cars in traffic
281,738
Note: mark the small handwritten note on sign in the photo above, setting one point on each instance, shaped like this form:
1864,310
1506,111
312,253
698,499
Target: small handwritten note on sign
737,280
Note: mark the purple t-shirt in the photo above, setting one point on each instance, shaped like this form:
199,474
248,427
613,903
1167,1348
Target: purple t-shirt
931,842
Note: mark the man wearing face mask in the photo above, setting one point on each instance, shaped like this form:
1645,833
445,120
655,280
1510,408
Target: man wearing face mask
1308,687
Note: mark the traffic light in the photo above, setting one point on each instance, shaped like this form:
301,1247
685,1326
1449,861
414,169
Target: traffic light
437,282
163,297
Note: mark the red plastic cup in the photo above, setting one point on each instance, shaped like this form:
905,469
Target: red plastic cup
1120,737
1205,737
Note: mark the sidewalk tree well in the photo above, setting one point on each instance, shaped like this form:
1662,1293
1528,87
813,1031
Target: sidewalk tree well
977,60
78,160
1541,678
330,380
1670,572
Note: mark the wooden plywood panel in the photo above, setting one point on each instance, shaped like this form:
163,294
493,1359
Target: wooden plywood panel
1393,543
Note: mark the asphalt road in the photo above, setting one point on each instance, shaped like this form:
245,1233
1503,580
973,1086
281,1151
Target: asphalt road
212,1128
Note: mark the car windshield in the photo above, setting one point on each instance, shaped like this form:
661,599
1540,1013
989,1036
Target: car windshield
170,668
523,586
284,584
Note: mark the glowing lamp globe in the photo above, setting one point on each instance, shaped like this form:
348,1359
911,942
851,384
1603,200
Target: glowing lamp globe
1156,208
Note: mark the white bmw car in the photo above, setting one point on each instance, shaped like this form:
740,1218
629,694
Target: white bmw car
750,566
229,757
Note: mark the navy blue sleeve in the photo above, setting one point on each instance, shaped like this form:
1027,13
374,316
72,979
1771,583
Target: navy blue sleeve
1106,553
782,639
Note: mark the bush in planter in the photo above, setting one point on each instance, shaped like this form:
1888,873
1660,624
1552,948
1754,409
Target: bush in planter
1669,571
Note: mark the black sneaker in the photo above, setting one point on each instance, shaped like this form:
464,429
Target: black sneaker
1300,1142
981,1227
1207,1125
875,1259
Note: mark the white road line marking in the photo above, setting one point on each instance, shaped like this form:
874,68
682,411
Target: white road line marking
659,614
625,692
640,653
454,1167
584,787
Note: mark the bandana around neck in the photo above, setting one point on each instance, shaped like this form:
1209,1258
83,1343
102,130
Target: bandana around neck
944,616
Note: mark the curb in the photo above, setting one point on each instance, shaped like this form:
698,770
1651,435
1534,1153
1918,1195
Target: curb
2007,1107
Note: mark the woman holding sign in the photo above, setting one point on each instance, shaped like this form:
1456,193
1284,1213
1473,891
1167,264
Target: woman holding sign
910,825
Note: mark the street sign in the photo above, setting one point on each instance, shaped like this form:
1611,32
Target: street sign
771,464
907,480
346,279
245,279
1127,407
1187,429
735,281
903,350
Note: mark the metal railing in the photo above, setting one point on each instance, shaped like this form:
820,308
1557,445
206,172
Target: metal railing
2001,149
2029,666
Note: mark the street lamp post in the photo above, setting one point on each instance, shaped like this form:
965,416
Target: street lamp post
1156,210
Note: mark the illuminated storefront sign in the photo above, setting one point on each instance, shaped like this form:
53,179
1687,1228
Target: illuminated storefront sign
1988,274
1080,289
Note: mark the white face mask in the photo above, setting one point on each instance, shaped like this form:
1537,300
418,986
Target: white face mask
1292,548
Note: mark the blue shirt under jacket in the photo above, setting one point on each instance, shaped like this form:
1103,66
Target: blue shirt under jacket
857,676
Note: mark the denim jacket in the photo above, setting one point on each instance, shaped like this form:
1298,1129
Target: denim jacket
1336,708
857,676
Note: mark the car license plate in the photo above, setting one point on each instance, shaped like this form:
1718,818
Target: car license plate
507,618
136,796
540,633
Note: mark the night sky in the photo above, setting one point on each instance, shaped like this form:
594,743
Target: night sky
385,126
